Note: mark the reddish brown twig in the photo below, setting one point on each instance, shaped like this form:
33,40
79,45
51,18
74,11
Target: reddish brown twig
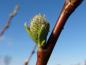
44,54
29,58
12,15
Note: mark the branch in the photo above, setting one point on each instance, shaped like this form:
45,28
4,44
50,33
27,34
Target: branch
28,60
44,54
12,15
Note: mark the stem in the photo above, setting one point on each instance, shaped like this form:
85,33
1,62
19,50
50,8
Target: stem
44,55
12,15
29,58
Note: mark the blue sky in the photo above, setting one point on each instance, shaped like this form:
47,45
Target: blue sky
71,46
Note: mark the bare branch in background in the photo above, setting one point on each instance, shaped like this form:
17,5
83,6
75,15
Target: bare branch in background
29,58
85,62
12,15
7,60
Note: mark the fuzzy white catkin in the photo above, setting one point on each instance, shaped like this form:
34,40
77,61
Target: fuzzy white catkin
39,28
37,22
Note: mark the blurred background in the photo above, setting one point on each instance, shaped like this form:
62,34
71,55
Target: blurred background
16,45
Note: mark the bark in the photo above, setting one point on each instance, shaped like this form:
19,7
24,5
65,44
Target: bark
43,55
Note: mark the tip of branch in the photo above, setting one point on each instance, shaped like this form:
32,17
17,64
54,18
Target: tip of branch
16,9
26,62
74,2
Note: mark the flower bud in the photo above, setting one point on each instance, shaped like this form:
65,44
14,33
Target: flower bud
38,29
